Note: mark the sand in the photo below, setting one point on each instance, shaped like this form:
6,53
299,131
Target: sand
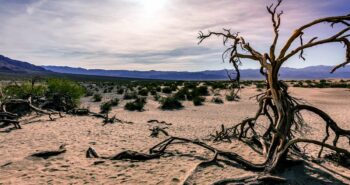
78,133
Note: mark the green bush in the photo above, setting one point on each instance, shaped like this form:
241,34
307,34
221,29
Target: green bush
170,103
97,97
181,94
203,90
167,90
197,101
130,96
25,90
218,85
136,105
64,94
190,85
106,107
143,92
114,102
153,92
120,91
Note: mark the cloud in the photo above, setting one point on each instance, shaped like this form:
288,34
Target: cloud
31,8
145,34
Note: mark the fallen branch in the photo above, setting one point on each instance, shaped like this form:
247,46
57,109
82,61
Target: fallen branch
50,153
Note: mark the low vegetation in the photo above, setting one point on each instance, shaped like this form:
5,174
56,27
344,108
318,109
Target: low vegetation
136,105
170,103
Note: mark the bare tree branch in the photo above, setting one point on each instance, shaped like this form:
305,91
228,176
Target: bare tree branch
297,32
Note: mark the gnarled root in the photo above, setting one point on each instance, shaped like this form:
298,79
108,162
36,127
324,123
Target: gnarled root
156,130
256,180
51,153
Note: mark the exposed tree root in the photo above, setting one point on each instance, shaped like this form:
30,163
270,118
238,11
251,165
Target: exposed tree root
132,155
51,153
156,130
339,158
160,122
250,180
125,155
91,153
8,118
106,119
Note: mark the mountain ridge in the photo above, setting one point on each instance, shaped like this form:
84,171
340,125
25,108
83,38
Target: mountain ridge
310,72
11,66
16,66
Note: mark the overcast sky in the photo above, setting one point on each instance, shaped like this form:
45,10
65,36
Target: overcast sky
153,34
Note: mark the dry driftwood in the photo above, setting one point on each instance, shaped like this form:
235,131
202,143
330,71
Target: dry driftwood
50,153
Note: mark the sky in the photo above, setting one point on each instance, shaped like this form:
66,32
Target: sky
155,34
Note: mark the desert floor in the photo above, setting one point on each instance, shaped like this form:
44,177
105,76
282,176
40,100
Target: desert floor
78,133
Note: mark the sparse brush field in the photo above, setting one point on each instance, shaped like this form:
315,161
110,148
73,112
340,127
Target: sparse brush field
79,132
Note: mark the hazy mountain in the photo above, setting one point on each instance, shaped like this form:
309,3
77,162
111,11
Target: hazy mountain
14,66
313,72
10,66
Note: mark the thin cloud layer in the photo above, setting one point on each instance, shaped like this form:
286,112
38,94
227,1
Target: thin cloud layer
151,34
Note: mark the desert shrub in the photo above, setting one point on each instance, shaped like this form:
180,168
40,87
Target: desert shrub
156,97
106,107
339,85
136,105
190,96
299,84
114,102
260,85
218,85
170,103
97,97
190,85
167,90
120,91
202,90
247,83
88,93
158,89
217,100
129,95
143,92
197,101
232,97
64,94
181,94
153,92
24,91
173,87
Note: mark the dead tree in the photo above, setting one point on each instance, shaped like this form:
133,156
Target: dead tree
12,118
285,117
276,104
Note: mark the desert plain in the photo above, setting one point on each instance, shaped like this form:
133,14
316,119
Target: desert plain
78,133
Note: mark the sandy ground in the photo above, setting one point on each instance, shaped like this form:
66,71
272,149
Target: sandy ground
78,133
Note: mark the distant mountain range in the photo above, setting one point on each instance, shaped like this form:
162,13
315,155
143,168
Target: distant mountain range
10,66
312,72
